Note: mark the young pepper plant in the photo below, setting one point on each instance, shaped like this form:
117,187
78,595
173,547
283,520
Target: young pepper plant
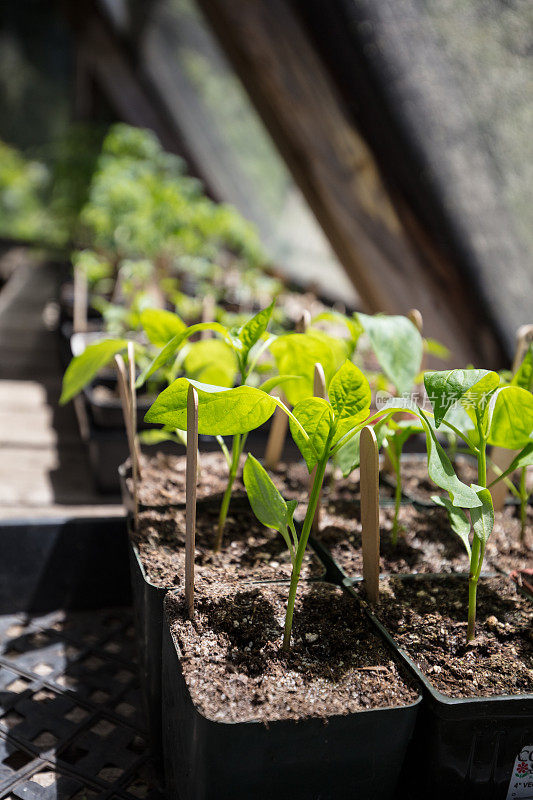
245,344
496,415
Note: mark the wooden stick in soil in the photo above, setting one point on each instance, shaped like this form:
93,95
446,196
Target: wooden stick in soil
81,299
133,406
369,471
319,390
500,456
208,313
280,420
190,496
125,397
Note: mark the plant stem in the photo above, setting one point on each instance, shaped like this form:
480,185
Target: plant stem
395,461
302,544
523,503
236,451
472,590
482,463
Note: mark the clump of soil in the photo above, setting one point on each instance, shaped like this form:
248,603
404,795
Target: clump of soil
428,618
426,543
236,672
250,551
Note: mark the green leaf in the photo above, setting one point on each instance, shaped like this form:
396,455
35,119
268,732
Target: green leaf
266,501
172,347
511,418
354,327
483,517
523,459
158,435
221,411
349,395
440,468
446,387
398,347
211,361
297,354
434,348
316,418
251,331
83,368
160,326
459,522
524,374
348,456
399,431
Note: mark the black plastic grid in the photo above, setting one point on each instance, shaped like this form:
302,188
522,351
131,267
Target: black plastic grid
71,725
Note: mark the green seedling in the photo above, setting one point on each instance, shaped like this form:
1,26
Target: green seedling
394,435
480,411
235,354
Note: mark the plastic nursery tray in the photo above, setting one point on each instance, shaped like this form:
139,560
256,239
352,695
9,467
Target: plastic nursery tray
71,725
468,749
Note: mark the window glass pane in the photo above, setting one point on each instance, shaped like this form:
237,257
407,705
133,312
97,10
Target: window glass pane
228,140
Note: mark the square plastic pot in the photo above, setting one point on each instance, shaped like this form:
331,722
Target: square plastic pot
358,755
466,749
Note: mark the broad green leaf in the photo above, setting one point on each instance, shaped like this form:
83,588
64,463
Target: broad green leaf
446,387
316,418
266,501
211,361
440,468
347,457
83,368
172,347
483,517
511,418
398,347
158,435
349,395
297,354
524,374
160,326
221,411
251,331
354,327
459,522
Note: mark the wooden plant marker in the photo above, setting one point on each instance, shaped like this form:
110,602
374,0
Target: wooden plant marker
81,299
133,407
369,468
319,390
125,397
280,420
500,455
208,313
190,496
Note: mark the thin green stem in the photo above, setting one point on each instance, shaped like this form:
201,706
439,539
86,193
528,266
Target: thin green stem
395,461
523,503
236,451
472,589
482,463
302,544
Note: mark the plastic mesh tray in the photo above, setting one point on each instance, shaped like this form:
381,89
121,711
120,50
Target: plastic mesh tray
71,725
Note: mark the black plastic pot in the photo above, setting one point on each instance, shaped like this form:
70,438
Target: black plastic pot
351,756
466,749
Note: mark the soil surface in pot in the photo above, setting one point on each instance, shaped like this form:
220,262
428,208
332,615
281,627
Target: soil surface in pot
235,670
163,481
505,549
250,551
426,543
428,618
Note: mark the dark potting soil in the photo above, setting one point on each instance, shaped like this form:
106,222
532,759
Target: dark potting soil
236,672
429,620
505,549
250,551
426,543
163,479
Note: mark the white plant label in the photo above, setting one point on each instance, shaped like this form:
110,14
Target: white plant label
521,783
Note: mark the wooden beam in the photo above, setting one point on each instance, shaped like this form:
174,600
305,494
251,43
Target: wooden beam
394,266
